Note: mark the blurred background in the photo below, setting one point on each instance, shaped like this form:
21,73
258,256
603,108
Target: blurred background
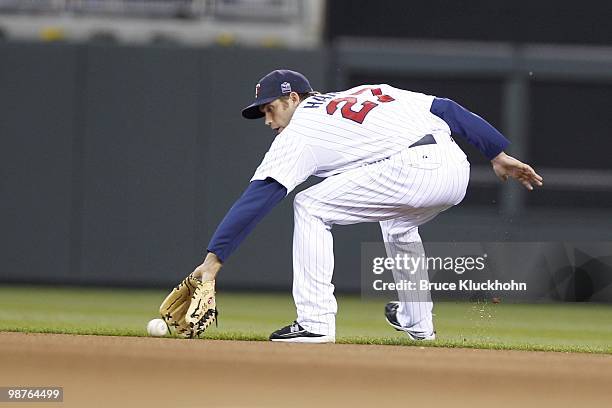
123,144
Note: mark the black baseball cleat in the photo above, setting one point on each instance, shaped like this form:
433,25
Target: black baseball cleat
294,333
391,316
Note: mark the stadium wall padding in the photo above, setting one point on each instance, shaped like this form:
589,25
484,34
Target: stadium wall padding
119,161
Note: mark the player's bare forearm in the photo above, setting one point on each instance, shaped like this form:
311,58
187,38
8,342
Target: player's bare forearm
506,166
208,270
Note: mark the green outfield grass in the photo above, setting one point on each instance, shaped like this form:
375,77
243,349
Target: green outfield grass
125,312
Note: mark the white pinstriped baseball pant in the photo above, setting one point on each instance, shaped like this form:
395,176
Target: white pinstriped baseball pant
401,192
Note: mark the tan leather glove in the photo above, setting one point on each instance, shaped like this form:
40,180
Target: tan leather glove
190,308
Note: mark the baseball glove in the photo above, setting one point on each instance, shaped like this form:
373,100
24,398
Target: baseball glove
190,308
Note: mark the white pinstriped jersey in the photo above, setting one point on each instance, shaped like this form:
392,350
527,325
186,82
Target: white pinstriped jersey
335,132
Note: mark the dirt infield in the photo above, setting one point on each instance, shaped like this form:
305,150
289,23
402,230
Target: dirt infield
98,371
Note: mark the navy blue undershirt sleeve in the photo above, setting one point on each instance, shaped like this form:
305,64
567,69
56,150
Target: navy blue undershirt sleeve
475,129
256,201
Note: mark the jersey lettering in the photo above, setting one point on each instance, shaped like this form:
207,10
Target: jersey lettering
318,100
347,112
349,101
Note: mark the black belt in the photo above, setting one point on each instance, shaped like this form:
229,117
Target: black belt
425,140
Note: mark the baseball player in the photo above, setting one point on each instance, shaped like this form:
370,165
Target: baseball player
386,155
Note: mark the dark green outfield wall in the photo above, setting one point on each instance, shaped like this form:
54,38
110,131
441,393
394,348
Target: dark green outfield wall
117,163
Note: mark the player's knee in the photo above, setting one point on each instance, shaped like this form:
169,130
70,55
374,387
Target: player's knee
299,201
307,204
302,202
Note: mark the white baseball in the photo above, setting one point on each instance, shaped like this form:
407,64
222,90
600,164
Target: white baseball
157,328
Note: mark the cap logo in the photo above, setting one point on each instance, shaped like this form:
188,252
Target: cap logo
257,90
285,87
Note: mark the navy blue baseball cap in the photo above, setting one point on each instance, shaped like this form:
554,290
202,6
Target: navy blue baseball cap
274,85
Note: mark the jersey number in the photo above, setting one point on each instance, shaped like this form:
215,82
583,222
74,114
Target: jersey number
359,115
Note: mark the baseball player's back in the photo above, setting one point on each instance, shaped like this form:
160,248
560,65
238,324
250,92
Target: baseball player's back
339,131
368,121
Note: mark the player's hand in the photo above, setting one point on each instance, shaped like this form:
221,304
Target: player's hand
506,166
208,270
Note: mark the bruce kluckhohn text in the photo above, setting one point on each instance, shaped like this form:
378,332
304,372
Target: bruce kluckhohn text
466,285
